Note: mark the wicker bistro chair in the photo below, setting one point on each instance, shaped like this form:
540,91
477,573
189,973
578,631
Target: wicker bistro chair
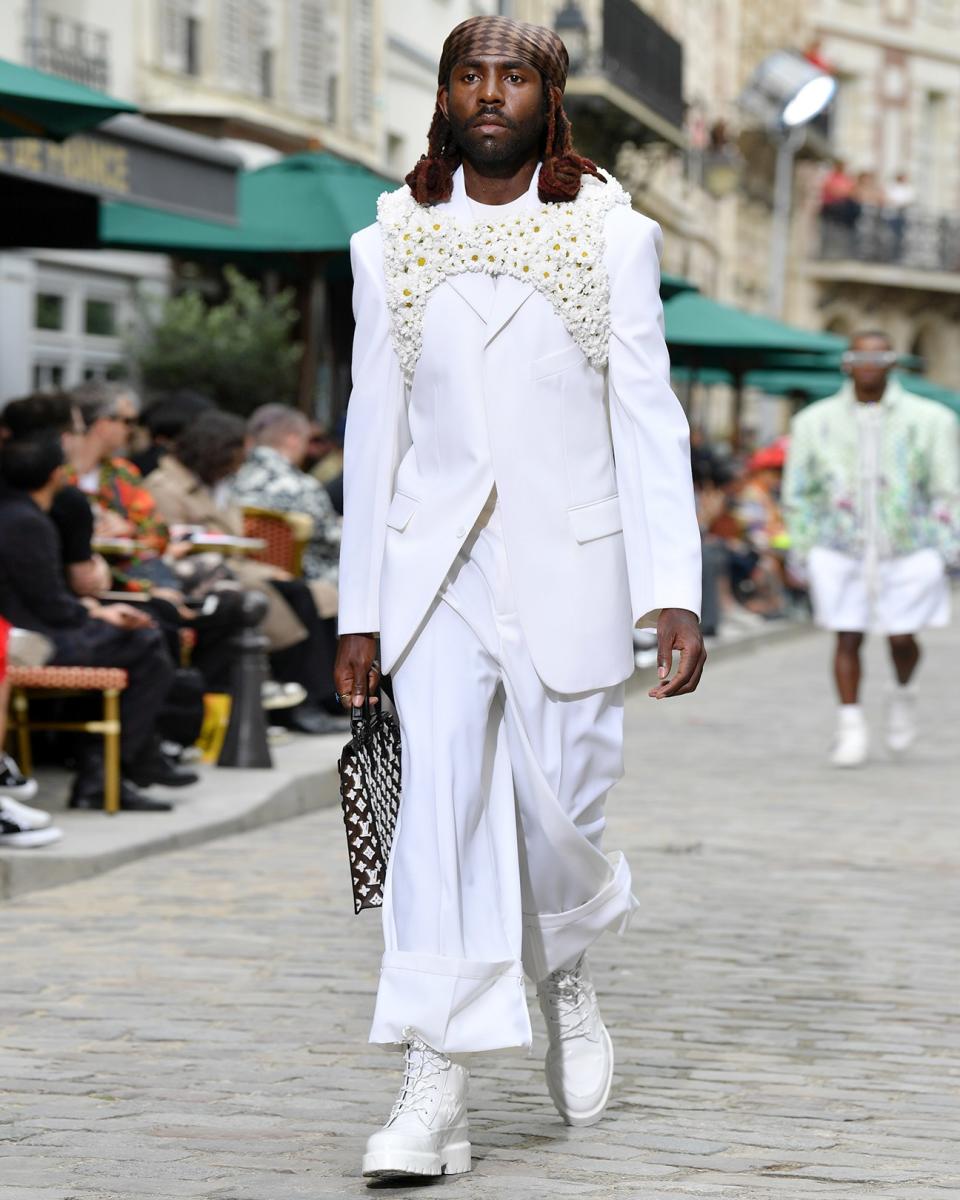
28,683
286,535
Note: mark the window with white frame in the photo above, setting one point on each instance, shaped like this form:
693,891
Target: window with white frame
945,13
930,140
244,43
180,47
361,64
316,55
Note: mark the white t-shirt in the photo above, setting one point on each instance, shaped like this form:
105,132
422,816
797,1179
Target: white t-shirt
497,212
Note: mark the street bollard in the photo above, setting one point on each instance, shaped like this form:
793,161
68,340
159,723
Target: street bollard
246,742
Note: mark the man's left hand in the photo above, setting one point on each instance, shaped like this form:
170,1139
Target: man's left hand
678,629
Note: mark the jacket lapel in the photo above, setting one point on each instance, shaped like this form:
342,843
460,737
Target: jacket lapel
475,288
510,294
494,304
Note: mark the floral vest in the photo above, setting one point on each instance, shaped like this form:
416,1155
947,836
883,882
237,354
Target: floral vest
557,248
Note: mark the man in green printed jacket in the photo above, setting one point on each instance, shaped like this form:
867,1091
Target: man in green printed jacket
872,500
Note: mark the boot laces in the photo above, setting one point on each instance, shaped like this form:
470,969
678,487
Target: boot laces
570,998
422,1071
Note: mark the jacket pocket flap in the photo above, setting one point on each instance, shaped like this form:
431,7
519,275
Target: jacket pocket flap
559,360
596,520
402,507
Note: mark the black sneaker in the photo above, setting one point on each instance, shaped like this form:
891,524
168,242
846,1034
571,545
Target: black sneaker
13,782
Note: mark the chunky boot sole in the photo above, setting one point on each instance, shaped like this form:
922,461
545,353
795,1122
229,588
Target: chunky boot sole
453,1159
590,1116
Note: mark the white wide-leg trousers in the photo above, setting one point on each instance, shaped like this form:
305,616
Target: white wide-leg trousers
496,869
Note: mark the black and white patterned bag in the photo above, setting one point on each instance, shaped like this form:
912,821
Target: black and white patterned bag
370,796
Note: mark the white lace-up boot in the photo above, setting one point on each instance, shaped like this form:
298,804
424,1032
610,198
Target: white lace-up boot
852,738
426,1133
579,1063
902,716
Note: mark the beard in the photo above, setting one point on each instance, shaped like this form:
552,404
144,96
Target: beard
519,141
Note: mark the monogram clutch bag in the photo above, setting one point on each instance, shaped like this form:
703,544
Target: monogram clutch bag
370,797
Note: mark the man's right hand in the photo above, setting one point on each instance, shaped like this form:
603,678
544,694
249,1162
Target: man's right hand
123,616
353,672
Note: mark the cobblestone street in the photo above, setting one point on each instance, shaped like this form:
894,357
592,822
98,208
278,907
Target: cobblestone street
785,1009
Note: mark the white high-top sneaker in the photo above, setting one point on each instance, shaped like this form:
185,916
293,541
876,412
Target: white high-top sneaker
852,739
902,716
579,1064
426,1133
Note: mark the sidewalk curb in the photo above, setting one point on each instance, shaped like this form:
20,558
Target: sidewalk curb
293,794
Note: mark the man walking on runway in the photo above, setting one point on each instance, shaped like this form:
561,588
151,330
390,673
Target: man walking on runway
518,497
871,495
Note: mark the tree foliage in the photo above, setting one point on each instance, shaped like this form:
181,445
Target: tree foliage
240,352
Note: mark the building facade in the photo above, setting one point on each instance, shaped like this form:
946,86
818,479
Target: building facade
897,114
64,315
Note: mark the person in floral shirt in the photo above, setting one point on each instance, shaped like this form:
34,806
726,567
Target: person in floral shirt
872,501
123,508
272,478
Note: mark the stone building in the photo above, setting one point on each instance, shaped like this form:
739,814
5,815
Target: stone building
897,112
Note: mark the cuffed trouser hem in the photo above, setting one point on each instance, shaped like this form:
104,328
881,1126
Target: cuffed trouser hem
455,1005
552,940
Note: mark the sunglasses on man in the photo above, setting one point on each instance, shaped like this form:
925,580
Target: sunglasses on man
869,358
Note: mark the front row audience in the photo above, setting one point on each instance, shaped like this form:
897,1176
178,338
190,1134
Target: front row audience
34,595
65,484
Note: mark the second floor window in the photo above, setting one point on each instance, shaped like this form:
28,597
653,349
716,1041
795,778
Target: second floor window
180,36
315,51
243,43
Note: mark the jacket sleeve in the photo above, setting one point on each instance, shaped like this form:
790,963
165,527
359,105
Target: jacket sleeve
945,486
651,438
801,493
375,440
41,588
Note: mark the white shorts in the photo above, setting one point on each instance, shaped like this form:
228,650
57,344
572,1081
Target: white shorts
910,593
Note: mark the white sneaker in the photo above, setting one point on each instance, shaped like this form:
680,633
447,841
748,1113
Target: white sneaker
19,833
23,815
579,1064
852,738
426,1133
902,717
13,782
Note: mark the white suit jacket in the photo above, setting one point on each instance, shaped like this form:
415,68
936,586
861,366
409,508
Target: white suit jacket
592,469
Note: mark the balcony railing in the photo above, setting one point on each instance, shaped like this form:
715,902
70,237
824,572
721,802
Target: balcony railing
73,51
640,57
915,239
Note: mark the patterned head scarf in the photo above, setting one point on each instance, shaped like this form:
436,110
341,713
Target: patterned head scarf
431,180
499,37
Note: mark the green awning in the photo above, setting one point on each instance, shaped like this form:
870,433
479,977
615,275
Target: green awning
311,202
704,333
35,104
672,285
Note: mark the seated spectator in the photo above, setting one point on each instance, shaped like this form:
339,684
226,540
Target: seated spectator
757,507
87,574
122,506
164,420
21,826
324,458
192,487
272,477
33,595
